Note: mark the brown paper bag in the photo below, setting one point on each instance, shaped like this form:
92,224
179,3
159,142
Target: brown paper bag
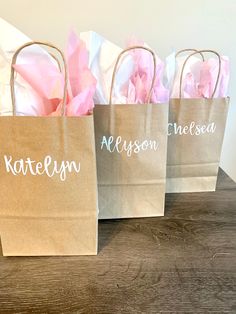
196,131
48,183
131,148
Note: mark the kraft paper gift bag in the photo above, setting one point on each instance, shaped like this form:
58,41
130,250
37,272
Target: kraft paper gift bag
131,148
196,131
48,182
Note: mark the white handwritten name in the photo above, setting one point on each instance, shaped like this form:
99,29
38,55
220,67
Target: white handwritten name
48,167
129,147
192,128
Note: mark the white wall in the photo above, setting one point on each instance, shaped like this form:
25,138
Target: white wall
163,24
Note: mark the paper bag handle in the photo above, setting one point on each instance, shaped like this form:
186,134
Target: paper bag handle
184,64
188,50
57,61
116,67
12,79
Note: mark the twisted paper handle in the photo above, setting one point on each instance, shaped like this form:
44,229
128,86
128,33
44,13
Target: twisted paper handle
116,67
200,52
188,50
12,79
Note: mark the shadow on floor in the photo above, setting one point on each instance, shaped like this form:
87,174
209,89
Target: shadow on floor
107,230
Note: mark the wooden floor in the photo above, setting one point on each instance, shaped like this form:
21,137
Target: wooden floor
184,262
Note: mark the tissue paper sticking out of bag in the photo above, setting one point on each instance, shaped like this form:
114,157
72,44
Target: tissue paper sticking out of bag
28,102
208,77
134,74
137,88
48,81
102,58
82,83
199,77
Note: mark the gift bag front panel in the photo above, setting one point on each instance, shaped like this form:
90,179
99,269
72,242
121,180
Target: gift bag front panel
131,142
195,135
48,186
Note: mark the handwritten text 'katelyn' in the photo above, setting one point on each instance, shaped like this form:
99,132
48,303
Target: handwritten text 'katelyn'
47,167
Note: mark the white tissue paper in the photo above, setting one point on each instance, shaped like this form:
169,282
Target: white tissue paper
102,58
27,100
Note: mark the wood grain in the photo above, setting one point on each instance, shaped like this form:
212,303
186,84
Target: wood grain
184,262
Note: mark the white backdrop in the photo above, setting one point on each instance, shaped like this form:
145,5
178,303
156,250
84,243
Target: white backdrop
164,24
